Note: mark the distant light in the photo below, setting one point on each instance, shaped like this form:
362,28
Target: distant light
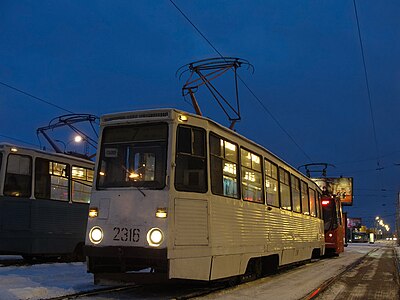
102,173
78,139
13,149
325,202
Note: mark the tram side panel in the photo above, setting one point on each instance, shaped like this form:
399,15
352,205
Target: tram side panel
220,243
33,220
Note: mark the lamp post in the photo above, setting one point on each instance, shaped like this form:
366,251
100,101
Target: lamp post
376,227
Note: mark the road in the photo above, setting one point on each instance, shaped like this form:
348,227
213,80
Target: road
376,277
300,282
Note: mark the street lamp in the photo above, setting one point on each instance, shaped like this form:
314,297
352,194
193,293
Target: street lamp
77,139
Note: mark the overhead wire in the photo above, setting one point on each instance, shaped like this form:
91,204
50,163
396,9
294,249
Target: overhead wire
18,140
34,97
367,85
241,80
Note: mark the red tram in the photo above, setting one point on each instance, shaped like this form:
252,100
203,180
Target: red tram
333,225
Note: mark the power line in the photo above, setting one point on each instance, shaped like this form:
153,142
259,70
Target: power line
367,85
241,80
34,97
18,140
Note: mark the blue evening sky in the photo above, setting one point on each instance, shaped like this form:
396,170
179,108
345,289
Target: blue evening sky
108,56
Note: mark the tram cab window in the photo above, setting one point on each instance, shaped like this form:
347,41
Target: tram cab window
191,162
51,180
271,183
252,189
82,179
305,201
313,207
224,167
133,156
18,176
295,187
284,178
329,214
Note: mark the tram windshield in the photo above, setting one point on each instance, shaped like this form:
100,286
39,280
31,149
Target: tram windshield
133,156
329,211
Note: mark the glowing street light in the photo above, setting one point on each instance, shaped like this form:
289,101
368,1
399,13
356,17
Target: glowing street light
78,139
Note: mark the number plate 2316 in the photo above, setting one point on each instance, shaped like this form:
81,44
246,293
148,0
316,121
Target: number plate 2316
124,234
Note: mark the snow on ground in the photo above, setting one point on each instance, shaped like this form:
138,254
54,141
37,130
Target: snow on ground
297,282
43,281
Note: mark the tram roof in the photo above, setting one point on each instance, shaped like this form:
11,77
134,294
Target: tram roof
9,146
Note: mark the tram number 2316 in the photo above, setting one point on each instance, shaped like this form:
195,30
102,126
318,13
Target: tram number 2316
124,234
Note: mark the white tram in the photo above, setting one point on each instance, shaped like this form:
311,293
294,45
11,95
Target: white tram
183,195
44,202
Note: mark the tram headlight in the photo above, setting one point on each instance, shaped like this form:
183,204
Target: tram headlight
155,237
96,235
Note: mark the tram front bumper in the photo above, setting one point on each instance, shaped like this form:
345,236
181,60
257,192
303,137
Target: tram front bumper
123,259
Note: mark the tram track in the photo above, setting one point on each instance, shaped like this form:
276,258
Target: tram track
328,283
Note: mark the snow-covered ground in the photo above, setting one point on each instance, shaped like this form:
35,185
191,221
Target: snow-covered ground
43,281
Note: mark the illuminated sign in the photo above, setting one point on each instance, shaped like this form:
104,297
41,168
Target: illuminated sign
341,187
353,222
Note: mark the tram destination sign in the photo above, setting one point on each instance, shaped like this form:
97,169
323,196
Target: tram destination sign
341,187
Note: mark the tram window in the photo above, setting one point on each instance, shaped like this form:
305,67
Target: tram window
51,180
295,186
191,163
271,183
18,176
319,214
82,180
284,179
224,171
133,156
1,159
312,203
305,202
251,176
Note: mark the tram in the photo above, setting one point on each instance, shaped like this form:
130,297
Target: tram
44,203
183,196
333,225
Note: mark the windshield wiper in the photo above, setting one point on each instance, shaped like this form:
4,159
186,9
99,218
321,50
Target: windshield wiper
144,195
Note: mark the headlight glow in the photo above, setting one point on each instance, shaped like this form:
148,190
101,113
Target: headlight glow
93,212
155,237
96,235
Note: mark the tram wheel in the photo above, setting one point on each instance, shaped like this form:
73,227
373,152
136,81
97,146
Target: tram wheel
254,270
